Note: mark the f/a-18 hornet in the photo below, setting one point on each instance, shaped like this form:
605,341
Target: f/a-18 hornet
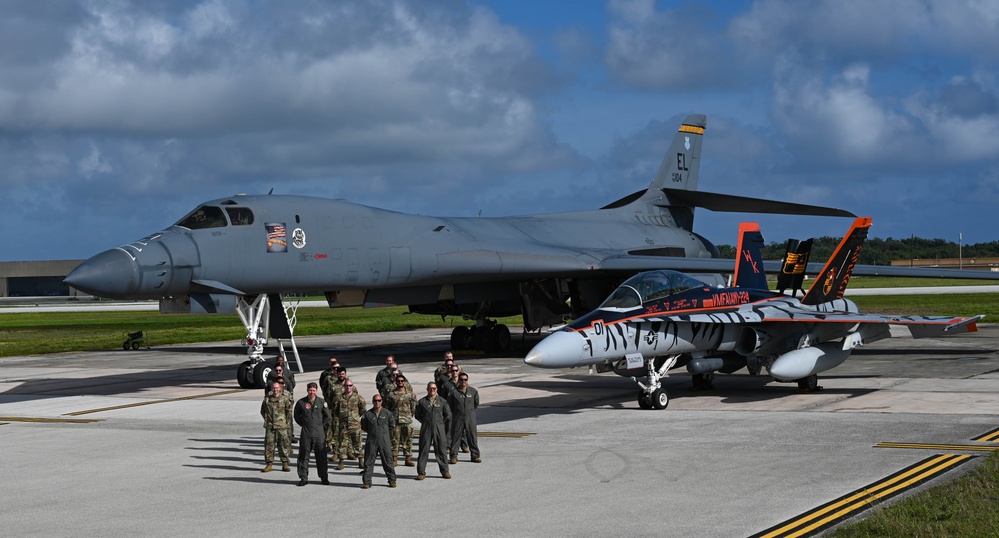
254,254
658,320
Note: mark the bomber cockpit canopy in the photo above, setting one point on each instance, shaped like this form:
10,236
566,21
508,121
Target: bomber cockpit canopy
650,286
210,216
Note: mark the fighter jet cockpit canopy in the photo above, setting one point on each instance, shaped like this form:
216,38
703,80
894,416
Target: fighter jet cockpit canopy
210,216
650,286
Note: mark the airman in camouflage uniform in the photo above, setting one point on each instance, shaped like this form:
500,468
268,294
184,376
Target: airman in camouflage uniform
385,378
331,393
443,372
402,404
349,409
277,409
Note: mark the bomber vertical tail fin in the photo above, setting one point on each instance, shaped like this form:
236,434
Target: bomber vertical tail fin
749,258
831,282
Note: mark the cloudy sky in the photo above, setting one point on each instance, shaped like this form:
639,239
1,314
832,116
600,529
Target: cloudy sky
118,117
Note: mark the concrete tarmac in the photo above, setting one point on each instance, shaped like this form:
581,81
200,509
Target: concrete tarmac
162,442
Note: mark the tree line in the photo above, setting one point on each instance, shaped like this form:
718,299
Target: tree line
879,251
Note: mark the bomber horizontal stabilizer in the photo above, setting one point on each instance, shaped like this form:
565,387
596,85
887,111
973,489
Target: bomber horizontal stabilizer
742,204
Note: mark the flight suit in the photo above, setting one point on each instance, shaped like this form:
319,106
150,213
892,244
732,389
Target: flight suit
313,417
463,422
379,427
433,415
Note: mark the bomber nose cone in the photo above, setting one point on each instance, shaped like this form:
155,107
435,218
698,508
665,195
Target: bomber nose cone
110,274
563,349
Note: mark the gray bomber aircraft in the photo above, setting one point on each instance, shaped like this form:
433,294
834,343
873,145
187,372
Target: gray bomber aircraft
254,254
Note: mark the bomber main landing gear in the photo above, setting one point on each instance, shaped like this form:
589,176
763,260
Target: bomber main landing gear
653,395
485,338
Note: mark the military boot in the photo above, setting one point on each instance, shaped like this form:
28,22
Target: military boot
339,466
285,468
395,461
268,468
409,461
360,462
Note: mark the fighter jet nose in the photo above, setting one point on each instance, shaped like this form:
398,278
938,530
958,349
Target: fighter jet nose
112,274
561,349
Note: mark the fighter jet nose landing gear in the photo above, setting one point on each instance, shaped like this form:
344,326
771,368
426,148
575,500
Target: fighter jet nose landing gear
653,395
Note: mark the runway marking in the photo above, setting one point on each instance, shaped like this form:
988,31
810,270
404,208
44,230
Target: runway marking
139,404
49,420
991,436
931,446
507,435
851,504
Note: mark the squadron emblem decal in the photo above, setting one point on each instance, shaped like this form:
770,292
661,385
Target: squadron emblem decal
298,238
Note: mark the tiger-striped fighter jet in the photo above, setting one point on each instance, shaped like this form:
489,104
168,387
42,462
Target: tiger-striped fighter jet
658,320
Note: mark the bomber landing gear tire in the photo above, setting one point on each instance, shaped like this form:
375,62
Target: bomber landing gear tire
460,336
482,339
501,336
244,375
659,399
260,373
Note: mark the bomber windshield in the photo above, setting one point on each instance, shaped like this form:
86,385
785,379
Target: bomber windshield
205,216
650,286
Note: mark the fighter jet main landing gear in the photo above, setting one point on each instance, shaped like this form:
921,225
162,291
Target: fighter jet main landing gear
653,395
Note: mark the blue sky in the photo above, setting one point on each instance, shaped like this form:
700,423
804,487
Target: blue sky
118,117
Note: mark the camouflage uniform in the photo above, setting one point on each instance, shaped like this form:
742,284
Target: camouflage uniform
403,406
349,410
332,391
277,413
385,380
337,389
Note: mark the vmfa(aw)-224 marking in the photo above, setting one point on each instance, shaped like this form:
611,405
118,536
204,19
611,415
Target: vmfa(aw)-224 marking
248,253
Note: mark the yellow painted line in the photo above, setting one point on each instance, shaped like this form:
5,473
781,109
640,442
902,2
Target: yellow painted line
507,435
139,404
684,128
991,436
930,446
49,420
825,516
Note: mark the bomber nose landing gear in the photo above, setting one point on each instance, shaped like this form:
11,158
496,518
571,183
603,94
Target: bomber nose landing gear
653,395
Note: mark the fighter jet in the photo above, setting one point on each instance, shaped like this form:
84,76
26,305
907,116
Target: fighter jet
658,320
255,254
